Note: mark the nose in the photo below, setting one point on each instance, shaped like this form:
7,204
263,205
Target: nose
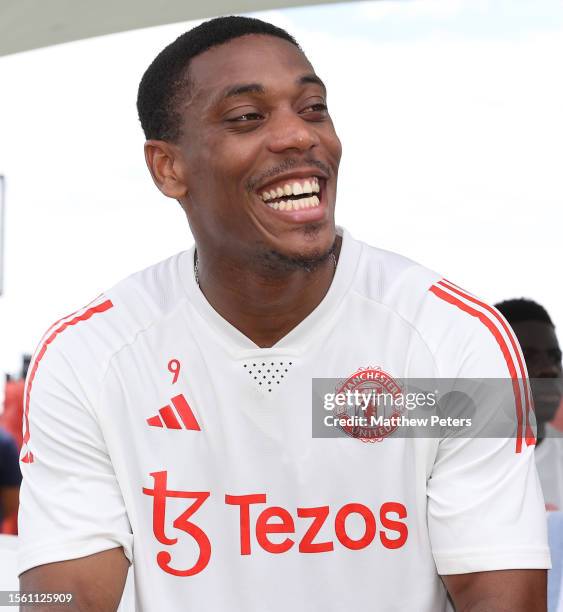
289,131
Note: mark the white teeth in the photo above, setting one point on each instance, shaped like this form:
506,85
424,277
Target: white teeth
295,204
309,186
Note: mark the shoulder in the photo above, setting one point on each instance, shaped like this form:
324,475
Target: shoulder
149,295
393,280
87,338
463,332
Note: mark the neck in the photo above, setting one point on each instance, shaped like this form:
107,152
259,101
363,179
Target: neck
261,304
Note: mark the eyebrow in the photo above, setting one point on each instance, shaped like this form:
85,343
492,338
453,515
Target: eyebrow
257,88
240,90
313,79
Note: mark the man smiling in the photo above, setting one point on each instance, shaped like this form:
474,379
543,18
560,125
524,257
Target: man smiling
168,423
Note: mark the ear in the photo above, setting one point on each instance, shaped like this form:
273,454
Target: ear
164,161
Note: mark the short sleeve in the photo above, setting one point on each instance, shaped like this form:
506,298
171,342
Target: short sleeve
70,502
485,506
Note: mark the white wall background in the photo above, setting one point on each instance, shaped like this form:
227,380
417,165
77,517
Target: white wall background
450,112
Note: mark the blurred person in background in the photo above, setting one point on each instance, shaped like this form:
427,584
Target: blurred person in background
11,441
10,480
12,416
536,333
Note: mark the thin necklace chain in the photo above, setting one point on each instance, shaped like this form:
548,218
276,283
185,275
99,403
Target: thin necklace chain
196,266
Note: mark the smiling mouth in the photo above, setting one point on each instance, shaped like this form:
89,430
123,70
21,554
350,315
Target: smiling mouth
297,194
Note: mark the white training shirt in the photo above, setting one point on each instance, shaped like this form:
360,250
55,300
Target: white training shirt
146,427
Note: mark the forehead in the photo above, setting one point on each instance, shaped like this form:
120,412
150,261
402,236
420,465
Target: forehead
535,334
254,58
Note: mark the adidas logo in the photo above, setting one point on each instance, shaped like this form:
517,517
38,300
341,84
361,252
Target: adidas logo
168,418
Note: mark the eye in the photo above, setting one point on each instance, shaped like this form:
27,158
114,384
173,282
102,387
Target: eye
245,117
315,112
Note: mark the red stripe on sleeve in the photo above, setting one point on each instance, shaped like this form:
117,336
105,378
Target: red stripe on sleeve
41,353
68,316
28,458
530,438
502,345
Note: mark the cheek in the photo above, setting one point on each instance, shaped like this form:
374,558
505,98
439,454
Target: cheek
338,149
225,164
218,183
334,146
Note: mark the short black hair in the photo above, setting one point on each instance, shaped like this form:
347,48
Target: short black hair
166,80
523,309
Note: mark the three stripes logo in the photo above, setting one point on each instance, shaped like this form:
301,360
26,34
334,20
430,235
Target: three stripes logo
508,345
180,418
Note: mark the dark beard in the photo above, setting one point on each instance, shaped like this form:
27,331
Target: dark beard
279,263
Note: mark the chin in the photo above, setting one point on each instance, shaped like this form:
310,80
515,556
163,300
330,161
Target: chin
311,242
306,248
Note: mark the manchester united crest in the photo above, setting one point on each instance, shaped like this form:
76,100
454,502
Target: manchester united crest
375,408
